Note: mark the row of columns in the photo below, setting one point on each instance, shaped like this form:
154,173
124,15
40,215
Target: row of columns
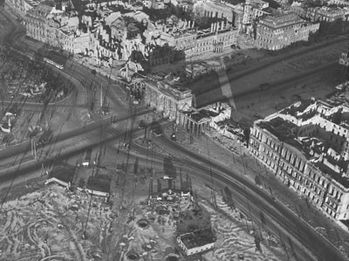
193,127
213,14
169,109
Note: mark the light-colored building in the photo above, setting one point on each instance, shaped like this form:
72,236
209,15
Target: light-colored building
326,14
207,117
115,36
306,145
339,2
252,10
233,14
49,25
169,98
199,42
279,31
215,9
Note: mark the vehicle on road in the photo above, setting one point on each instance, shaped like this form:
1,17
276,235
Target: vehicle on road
173,137
87,160
57,65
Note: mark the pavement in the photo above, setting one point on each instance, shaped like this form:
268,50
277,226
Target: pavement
277,72
306,242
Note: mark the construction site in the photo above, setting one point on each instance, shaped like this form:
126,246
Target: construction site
107,204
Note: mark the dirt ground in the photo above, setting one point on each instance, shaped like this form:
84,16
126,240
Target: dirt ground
240,160
49,223
41,221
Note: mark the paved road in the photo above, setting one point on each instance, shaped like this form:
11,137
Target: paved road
63,150
276,86
33,106
307,243
20,153
210,89
280,217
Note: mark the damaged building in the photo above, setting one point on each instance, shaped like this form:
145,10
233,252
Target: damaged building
306,145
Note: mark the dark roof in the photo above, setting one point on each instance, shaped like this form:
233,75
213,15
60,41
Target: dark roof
65,174
203,114
281,20
280,128
334,175
198,238
99,182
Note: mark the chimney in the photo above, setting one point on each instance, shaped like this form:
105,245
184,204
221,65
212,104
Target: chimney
212,28
222,25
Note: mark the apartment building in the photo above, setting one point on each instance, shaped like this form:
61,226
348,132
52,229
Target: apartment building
252,10
48,24
222,10
306,145
326,14
279,31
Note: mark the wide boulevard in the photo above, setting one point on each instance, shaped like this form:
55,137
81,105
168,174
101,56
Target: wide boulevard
302,240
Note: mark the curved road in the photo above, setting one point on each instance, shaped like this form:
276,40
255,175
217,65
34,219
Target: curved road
304,237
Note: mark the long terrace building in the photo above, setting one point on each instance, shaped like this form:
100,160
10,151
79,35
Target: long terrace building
306,145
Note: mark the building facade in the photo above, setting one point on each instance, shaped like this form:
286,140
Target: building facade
306,146
326,14
277,32
22,6
46,24
170,100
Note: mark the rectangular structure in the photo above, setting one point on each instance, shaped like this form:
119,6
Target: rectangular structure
306,145
196,242
277,32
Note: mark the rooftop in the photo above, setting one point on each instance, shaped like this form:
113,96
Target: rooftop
284,130
203,114
63,173
170,86
281,20
333,174
198,238
298,126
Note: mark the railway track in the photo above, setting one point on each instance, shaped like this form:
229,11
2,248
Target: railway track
252,200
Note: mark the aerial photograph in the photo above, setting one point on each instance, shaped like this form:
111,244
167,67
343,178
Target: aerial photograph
174,130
